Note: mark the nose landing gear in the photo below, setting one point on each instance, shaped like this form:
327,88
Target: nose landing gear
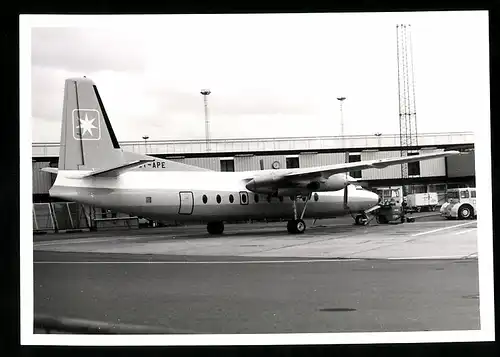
361,219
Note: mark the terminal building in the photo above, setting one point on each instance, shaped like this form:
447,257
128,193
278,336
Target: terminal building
436,175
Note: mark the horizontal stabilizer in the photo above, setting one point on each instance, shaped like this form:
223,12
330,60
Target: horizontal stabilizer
118,170
52,170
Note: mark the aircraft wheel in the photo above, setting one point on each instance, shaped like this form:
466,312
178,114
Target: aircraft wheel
215,227
360,220
300,226
296,226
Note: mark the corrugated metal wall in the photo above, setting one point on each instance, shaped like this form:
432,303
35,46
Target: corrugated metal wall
246,163
434,167
311,160
42,181
268,161
211,163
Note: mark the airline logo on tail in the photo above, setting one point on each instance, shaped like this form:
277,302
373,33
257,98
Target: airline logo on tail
86,124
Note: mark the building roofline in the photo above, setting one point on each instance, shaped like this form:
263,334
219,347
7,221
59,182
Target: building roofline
225,154
303,138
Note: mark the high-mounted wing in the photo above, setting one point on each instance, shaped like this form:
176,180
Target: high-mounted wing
326,178
327,171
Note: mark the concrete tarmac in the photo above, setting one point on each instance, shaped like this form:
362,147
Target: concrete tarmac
259,279
427,239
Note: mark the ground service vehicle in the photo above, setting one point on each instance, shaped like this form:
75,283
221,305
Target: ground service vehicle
390,208
419,201
461,203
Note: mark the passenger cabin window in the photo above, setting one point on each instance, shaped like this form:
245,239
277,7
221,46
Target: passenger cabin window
292,162
316,197
473,194
231,198
227,165
464,194
281,198
148,199
355,158
413,167
269,198
218,198
256,198
205,199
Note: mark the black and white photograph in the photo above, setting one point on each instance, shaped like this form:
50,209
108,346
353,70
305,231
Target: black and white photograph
256,179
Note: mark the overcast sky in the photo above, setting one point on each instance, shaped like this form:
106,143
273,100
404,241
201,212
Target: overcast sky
270,75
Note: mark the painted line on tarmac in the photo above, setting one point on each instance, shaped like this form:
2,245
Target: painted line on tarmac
442,229
437,257
465,231
205,262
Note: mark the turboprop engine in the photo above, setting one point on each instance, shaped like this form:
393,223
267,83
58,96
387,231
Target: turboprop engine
272,183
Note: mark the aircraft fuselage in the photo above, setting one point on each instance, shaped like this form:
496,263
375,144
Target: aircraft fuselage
199,196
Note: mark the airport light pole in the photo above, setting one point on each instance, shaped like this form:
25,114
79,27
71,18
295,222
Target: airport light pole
206,93
378,136
346,157
145,137
341,99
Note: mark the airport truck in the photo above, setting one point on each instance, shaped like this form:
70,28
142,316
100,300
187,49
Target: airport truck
390,208
422,201
461,204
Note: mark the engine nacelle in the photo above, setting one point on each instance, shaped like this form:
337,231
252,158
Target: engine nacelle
334,183
265,183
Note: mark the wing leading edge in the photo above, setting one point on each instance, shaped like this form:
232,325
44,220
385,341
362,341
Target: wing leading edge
327,171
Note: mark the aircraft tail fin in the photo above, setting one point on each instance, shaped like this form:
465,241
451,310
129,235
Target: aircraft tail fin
88,141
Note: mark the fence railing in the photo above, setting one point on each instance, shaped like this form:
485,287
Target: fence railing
72,216
270,144
59,216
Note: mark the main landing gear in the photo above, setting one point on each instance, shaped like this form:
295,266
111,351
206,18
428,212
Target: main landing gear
297,225
216,227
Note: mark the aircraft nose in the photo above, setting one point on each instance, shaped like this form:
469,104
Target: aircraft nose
373,198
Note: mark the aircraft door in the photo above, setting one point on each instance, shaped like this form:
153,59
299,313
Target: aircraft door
186,203
243,198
